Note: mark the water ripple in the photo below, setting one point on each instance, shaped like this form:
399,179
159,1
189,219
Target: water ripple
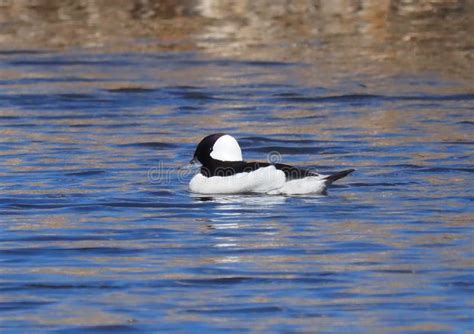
91,241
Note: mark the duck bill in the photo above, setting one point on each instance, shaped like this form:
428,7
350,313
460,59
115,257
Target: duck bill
193,164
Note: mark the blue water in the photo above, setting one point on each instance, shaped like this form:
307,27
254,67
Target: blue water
99,233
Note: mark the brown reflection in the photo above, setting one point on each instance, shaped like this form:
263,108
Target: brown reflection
340,36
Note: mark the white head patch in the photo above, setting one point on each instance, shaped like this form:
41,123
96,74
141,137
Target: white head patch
226,148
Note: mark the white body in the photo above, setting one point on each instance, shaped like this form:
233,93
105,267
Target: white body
268,180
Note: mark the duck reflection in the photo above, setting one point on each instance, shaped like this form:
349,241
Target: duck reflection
242,222
232,202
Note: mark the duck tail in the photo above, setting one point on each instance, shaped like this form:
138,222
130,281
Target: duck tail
338,175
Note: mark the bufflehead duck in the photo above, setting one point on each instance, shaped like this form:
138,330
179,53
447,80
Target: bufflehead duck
223,171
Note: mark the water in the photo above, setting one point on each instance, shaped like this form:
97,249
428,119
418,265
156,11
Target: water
99,233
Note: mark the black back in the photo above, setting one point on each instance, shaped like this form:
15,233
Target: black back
227,168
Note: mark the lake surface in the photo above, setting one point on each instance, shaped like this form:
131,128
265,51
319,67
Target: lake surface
99,233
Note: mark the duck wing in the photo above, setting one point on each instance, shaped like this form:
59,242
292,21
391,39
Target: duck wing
229,168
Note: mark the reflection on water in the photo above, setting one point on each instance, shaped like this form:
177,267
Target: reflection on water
101,102
383,37
242,201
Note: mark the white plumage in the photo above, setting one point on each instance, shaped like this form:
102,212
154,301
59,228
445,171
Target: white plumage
222,152
263,180
267,180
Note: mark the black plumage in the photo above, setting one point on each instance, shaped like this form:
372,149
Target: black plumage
212,167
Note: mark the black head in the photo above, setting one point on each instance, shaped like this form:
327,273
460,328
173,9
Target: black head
205,147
